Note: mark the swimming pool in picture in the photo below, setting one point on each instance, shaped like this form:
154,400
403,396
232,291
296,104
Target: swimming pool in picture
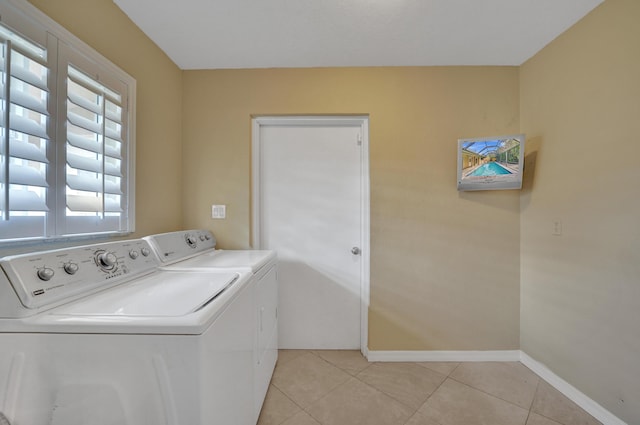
489,169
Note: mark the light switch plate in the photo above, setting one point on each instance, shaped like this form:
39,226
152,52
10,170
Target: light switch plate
218,211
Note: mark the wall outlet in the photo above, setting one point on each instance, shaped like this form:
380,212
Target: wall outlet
557,227
218,211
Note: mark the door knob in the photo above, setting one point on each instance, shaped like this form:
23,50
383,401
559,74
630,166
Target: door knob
355,250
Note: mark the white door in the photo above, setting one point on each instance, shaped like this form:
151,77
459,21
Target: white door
311,206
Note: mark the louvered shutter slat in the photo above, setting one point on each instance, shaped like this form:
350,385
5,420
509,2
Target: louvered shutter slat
80,203
112,206
91,204
26,200
113,170
83,142
26,100
113,152
82,163
27,176
113,188
84,103
26,150
23,73
28,126
82,122
114,116
115,135
88,184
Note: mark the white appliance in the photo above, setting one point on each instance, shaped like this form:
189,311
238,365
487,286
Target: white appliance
195,250
100,335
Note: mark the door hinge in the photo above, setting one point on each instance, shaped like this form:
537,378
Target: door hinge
359,141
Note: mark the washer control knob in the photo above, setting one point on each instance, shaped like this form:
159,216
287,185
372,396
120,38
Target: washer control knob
71,268
207,237
133,254
202,238
145,251
191,241
45,273
107,260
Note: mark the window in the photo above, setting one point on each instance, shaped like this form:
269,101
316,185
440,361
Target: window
66,133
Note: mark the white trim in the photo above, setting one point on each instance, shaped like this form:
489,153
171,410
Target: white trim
365,235
256,212
352,121
571,392
444,356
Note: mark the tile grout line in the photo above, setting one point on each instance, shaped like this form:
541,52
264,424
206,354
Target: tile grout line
500,398
437,388
322,398
370,365
555,421
288,398
335,365
388,395
491,395
439,385
535,394
454,369
306,410
430,395
399,401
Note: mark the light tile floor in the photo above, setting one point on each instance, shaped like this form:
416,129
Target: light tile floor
341,388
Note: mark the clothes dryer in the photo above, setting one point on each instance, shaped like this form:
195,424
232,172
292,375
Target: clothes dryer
196,250
100,335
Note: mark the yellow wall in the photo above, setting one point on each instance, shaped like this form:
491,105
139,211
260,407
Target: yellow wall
444,264
580,109
103,26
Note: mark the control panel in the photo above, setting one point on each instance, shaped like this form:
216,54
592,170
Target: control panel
176,246
51,277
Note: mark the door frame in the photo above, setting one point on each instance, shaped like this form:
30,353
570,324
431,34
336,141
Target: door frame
361,121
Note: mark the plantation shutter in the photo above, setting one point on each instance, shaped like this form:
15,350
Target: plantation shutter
25,136
67,119
96,148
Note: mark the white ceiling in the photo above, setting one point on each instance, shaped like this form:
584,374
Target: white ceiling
213,34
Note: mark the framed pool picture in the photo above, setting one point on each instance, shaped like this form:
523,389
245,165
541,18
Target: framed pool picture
491,163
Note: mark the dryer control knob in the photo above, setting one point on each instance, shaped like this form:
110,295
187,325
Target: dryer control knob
145,252
202,238
71,268
45,273
133,254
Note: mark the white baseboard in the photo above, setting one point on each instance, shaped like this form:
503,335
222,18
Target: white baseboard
571,392
444,356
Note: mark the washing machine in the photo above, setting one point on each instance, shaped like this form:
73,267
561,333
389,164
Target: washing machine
100,335
196,250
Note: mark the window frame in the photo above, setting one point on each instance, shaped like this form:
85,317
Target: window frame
63,50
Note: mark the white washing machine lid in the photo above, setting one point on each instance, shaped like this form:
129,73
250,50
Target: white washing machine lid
163,294
252,260
178,302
